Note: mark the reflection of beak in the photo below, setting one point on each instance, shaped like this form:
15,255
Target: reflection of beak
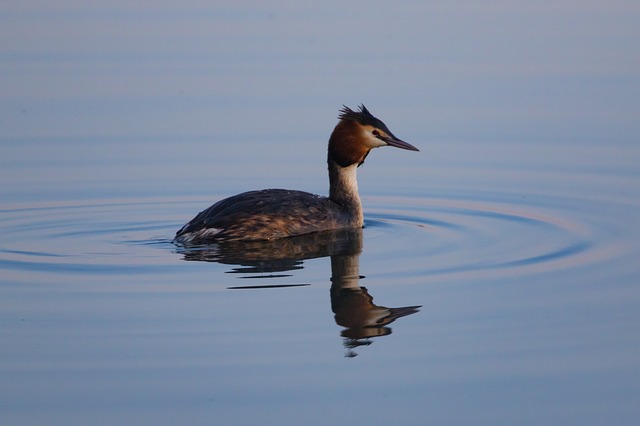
393,141
379,315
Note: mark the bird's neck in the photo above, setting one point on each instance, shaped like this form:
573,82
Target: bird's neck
343,190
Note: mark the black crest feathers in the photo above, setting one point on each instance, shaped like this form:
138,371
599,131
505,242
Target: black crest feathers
362,116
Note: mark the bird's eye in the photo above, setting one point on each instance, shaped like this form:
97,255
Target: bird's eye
376,133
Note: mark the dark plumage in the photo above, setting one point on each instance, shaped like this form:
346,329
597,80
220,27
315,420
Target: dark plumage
364,117
264,215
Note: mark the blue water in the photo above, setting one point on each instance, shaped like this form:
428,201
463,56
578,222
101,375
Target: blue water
495,281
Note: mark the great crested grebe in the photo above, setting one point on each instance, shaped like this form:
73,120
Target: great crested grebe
270,214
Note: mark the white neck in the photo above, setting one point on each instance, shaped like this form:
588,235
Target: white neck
345,272
343,190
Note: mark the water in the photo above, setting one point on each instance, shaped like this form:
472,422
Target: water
495,281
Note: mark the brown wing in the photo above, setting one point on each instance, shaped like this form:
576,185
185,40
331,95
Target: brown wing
264,215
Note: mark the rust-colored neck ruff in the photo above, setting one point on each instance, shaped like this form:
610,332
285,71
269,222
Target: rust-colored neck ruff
345,144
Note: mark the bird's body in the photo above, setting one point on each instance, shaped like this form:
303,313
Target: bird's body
265,215
278,213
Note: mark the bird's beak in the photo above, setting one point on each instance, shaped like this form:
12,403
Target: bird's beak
393,141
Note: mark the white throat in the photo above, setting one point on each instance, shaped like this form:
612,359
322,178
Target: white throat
343,190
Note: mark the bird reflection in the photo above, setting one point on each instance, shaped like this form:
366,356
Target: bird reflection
354,308
351,304
286,254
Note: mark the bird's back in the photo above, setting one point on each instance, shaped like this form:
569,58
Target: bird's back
264,215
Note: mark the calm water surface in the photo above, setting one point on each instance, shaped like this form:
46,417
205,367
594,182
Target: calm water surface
495,281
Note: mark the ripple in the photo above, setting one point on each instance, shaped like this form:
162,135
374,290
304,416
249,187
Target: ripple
437,236
92,237
404,236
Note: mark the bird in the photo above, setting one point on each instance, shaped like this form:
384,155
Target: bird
272,214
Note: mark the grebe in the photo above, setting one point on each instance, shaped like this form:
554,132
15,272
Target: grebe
270,214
